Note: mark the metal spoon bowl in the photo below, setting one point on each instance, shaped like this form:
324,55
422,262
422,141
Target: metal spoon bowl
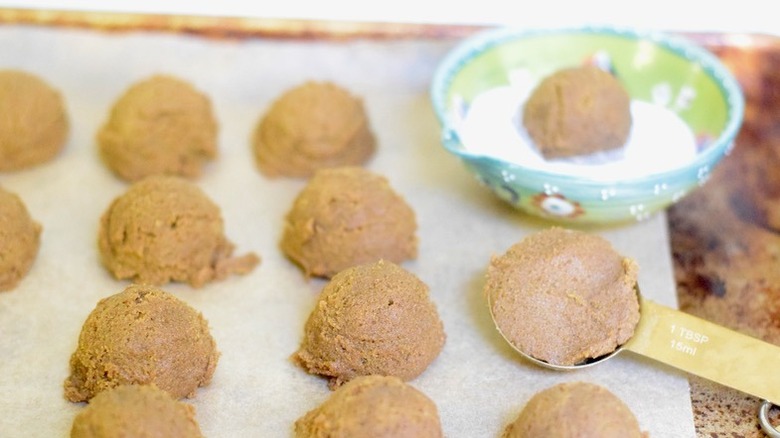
557,367
763,418
721,355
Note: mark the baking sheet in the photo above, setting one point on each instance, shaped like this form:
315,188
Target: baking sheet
478,383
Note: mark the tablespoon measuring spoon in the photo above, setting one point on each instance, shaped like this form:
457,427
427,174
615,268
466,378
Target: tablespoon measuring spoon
701,348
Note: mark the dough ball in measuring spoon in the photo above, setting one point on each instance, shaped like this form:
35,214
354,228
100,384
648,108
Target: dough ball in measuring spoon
563,297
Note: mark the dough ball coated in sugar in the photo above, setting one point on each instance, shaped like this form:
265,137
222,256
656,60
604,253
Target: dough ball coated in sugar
19,240
313,126
373,406
160,126
34,124
135,411
164,229
142,335
576,409
375,318
348,216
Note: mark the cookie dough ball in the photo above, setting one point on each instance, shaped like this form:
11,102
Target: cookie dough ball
159,126
19,240
375,318
373,406
578,111
348,216
33,121
563,296
135,411
164,229
142,335
576,409
313,126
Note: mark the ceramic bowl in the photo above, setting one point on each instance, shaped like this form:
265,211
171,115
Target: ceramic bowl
663,70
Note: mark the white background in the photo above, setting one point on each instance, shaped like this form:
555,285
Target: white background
685,15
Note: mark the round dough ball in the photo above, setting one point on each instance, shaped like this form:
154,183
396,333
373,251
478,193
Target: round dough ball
135,411
159,126
577,409
373,406
19,240
563,296
33,121
375,318
313,126
578,111
348,216
142,335
164,228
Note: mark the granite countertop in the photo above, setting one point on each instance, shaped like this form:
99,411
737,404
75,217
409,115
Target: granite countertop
725,237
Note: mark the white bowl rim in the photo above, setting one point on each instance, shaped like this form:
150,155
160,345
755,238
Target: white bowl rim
471,46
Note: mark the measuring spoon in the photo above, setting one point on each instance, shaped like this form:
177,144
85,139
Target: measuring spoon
699,347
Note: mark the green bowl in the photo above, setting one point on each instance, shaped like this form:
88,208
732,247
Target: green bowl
648,64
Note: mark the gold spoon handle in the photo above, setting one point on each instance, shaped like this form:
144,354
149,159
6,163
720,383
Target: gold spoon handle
707,350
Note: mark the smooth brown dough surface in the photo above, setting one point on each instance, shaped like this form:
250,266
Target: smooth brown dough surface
19,240
578,111
563,296
313,126
135,411
33,121
575,410
142,335
348,216
375,318
159,126
373,406
163,229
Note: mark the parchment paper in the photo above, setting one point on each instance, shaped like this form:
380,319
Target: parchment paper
478,382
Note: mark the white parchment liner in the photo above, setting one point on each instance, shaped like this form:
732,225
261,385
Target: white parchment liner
478,382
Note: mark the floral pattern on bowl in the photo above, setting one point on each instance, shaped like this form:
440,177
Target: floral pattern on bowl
653,67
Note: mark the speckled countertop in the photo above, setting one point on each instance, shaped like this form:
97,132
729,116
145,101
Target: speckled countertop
725,237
